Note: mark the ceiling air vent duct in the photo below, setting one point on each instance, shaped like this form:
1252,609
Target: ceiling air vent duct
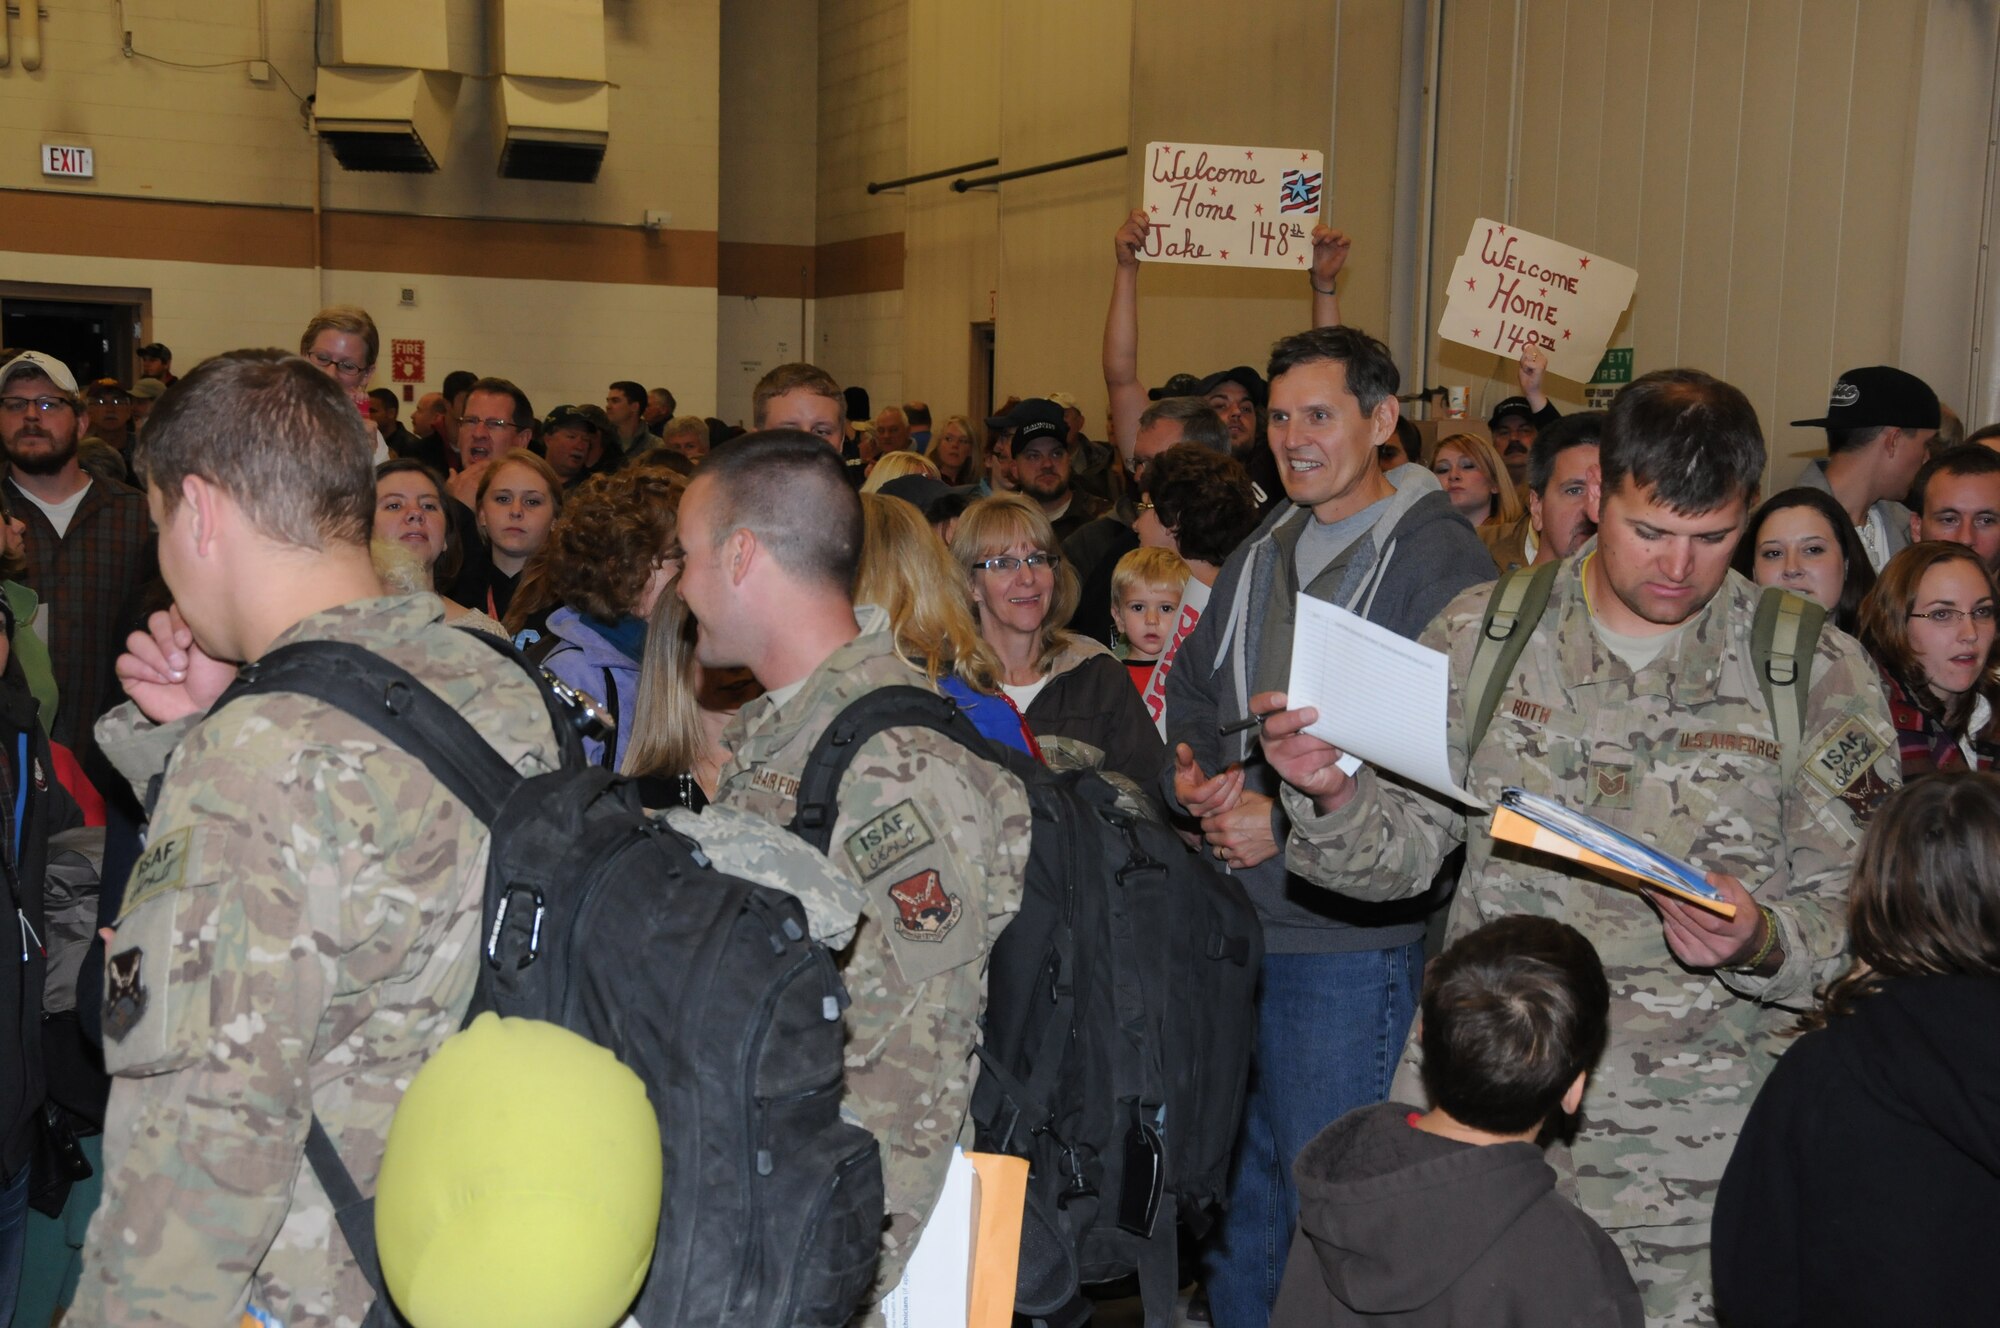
384,102
553,102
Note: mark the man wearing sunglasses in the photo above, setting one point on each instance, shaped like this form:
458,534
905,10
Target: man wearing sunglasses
89,542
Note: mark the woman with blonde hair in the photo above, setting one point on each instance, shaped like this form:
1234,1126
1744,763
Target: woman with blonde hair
1023,594
955,451
896,465
907,572
1476,481
675,754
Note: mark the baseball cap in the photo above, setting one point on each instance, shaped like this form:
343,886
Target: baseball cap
153,350
1242,375
1875,396
1511,406
920,491
147,389
1032,410
107,387
1036,430
1063,399
1180,385
48,366
576,417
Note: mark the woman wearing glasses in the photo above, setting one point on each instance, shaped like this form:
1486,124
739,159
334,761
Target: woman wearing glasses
1067,686
1929,624
342,343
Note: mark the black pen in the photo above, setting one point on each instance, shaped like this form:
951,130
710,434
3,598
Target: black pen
1241,726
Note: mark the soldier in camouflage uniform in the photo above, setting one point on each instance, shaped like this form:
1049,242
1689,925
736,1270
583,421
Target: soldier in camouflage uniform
1678,752
936,838
301,931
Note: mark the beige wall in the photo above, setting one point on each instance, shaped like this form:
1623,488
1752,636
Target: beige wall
1754,162
1340,64
213,136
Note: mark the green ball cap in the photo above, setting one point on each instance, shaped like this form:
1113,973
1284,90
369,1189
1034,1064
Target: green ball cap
521,1184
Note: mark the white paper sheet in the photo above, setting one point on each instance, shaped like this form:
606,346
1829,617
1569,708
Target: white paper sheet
1381,697
936,1287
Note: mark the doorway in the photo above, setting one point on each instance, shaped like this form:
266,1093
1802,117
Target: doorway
979,381
94,330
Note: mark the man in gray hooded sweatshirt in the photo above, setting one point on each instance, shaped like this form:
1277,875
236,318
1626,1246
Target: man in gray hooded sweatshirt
1340,980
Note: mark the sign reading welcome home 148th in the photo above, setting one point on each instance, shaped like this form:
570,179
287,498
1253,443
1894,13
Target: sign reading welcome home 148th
1512,289
1231,206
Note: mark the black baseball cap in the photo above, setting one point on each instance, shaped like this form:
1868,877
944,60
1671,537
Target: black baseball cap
920,491
1879,395
1242,375
1036,430
1511,406
1031,410
1180,385
592,418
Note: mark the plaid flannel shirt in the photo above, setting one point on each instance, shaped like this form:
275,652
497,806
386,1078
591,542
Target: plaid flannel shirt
93,581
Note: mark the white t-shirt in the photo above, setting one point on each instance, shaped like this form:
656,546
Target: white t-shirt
62,513
1024,696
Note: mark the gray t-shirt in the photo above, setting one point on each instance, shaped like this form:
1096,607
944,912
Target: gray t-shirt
1323,541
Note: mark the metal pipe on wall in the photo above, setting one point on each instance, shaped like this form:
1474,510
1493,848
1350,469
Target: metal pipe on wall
1409,267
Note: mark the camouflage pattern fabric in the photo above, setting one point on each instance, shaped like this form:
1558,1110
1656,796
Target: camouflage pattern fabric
938,842
756,850
300,933
1681,756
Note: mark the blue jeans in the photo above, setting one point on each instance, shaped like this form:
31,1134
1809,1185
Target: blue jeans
1330,1028
13,1242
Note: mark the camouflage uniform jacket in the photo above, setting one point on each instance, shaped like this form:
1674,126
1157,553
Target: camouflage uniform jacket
1682,756
938,840
300,933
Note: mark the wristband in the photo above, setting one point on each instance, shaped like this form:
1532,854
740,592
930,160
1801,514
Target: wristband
1317,290
1764,950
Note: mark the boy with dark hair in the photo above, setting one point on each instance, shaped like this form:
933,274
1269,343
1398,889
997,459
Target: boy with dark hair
1451,1216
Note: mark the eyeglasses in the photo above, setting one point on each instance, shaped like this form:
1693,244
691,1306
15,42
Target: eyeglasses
39,405
492,426
346,368
1952,617
1007,562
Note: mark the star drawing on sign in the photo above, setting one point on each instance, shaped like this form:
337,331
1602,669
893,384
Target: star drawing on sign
1545,290
1249,155
1583,262
1211,191
1470,284
1260,209
1565,334
1302,156
1475,331
1225,253
1155,207
1302,260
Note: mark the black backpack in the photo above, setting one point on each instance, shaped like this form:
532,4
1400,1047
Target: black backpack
608,922
1120,1013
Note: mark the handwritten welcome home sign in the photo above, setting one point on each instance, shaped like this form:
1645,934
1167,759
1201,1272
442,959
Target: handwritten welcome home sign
1512,289
1231,206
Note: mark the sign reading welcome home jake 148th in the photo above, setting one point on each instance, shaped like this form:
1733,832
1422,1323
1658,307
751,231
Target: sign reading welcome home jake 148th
1512,289
1228,206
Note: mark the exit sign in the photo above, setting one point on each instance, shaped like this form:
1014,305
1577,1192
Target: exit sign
58,160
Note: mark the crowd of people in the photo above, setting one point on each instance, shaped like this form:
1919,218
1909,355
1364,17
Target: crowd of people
1487,1086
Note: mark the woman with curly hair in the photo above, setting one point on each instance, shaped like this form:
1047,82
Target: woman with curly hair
1200,504
1864,1188
609,555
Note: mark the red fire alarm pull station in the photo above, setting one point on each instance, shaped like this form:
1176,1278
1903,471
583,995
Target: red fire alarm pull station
406,361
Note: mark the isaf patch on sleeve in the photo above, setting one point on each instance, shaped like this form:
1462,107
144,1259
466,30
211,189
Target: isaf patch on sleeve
162,867
1844,758
881,843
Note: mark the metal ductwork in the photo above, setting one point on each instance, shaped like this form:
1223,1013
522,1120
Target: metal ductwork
385,100
552,98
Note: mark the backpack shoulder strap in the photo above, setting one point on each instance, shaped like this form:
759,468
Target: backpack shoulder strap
569,746
898,707
1784,637
356,1217
389,700
1512,611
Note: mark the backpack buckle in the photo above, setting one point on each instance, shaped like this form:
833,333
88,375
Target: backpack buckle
534,925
